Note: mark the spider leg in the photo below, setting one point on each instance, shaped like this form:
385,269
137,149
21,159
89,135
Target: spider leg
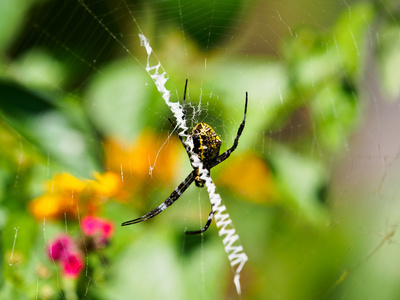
208,223
220,158
184,116
170,200
184,100
184,112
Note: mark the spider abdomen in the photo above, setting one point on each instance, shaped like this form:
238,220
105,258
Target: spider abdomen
206,145
206,142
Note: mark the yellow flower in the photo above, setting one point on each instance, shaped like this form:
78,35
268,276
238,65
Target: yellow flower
151,158
61,197
107,184
66,194
65,182
249,176
50,206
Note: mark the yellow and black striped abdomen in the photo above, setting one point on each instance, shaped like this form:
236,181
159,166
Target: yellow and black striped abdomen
206,145
206,142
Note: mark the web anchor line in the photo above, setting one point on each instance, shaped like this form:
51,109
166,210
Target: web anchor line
236,255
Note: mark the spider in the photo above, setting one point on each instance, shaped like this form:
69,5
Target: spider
207,145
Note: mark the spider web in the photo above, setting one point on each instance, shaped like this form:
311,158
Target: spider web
319,217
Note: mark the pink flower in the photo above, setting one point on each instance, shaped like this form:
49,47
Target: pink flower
72,264
97,228
65,250
59,247
68,252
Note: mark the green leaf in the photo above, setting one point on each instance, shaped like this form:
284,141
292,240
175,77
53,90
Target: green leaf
349,35
118,100
302,180
390,59
12,16
148,269
206,21
48,127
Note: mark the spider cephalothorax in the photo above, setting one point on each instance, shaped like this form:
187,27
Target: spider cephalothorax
206,145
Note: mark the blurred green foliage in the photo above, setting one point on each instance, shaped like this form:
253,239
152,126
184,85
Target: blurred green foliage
67,86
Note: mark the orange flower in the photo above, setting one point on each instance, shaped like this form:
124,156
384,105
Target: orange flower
66,194
62,196
249,176
47,206
149,157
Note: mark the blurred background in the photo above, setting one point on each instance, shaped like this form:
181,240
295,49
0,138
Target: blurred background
86,144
